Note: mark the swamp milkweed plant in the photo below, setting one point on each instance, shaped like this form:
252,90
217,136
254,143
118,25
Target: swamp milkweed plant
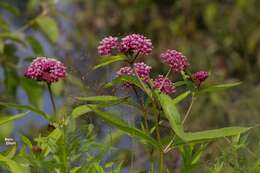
154,99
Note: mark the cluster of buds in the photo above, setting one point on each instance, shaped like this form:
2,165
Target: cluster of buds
134,43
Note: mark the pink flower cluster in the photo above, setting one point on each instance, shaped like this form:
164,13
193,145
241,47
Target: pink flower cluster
143,70
46,69
107,45
134,43
140,68
125,71
200,76
175,60
164,84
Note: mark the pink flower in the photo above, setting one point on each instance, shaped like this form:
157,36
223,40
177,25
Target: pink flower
125,71
200,76
165,85
106,45
136,43
143,70
46,69
175,60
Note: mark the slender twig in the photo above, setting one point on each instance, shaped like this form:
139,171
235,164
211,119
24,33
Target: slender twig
168,147
189,110
168,73
51,98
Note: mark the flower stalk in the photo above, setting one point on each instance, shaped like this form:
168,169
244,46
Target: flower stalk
51,98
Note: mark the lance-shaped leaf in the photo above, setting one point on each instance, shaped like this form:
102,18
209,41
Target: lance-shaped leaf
122,125
81,110
106,100
103,98
109,60
214,134
49,27
173,116
122,79
9,8
25,107
181,97
8,119
216,88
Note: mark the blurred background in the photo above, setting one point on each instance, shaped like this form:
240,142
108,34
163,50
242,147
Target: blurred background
220,36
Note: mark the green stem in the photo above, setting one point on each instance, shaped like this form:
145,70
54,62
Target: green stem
161,162
51,98
159,140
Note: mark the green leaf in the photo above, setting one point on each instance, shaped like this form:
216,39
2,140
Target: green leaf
8,119
33,90
11,153
122,125
121,79
35,45
25,107
57,88
180,83
4,25
216,88
27,141
100,103
74,170
99,98
50,142
11,79
13,166
105,101
81,110
109,60
171,113
49,27
181,97
173,116
13,37
10,8
214,134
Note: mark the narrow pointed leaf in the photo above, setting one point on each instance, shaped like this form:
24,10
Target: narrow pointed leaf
8,119
214,134
181,97
122,125
109,60
121,79
49,27
9,8
25,107
81,110
99,98
217,88
173,116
